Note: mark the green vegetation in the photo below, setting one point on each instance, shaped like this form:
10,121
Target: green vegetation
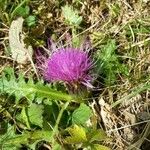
114,114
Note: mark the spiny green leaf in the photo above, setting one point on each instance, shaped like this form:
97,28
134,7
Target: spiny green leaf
7,141
17,140
10,133
81,114
18,87
10,139
77,135
25,138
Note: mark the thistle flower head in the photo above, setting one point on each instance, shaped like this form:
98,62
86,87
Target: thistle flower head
71,65
68,64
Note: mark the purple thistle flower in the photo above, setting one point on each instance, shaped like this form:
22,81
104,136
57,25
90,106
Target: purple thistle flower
71,65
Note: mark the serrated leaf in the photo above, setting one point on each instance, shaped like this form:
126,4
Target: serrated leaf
71,16
81,114
77,135
17,140
10,141
10,133
18,87
35,112
16,41
26,138
100,147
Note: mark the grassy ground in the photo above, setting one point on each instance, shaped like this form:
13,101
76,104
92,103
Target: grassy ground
115,114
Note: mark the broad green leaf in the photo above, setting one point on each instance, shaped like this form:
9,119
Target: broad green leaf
35,112
100,147
77,135
71,16
81,114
